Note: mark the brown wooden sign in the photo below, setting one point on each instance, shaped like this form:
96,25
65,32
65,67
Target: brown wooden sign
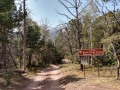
86,52
91,52
99,51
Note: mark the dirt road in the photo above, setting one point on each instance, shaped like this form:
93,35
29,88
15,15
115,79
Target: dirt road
51,78
46,79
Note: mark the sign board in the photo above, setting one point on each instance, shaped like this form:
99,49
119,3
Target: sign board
91,52
84,61
99,51
86,52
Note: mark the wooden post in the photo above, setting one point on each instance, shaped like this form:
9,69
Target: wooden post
98,69
84,71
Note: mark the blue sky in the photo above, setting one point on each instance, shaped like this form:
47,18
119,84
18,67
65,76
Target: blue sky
42,9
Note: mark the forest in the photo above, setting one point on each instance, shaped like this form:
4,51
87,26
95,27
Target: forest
25,44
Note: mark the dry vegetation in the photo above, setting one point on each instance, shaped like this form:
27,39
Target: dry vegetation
17,81
73,79
106,80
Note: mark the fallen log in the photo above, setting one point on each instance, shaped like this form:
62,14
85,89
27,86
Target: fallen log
19,71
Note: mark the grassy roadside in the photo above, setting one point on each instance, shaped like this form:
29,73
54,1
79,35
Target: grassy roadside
74,69
13,80
106,80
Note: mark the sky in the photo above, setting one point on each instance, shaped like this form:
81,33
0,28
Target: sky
46,9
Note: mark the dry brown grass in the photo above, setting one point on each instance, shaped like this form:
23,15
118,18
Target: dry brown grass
106,80
17,81
71,69
74,69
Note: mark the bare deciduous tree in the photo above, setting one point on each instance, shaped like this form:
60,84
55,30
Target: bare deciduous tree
77,16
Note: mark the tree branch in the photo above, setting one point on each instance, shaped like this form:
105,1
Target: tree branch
83,9
69,3
79,4
67,8
64,15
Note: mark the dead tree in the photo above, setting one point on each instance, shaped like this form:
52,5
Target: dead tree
76,5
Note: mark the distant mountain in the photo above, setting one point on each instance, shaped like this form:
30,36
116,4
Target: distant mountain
53,33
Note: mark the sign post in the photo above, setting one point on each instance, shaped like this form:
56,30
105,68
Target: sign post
84,71
91,52
98,68
84,61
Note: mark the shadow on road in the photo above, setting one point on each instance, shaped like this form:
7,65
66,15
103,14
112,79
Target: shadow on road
49,84
69,79
56,84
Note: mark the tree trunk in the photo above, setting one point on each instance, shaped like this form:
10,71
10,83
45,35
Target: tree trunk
70,47
20,62
24,38
118,60
3,55
79,28
30,58
10,53
117,76
118,67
